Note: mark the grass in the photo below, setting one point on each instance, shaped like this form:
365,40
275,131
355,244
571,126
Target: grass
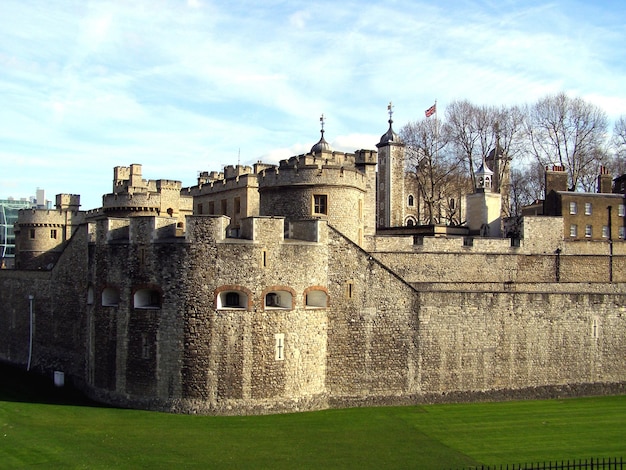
46,427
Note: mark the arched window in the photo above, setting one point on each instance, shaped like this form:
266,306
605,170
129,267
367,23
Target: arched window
90,295
278,299
147,298
232,299
411,201
316,299
110,297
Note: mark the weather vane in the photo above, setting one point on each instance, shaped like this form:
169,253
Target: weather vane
390,109
322,121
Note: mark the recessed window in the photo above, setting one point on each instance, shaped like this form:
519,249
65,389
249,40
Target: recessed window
621,209
147,298
588,231
110,297
31,233
587,208
573,208
53,233
232,299
605,231
224,207
278,300
349,289
316,299
573,230
237,205
200,208
411,201
211,208
320,204
621,232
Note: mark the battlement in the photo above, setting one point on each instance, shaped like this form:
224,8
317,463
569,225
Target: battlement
320,159
216,185
317,173
366,157
68,202
202,229
128,179
169,185
48,217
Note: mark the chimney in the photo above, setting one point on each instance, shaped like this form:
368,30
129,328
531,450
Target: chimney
556,179
605,181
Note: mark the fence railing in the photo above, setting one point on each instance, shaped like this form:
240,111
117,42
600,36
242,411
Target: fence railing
612,463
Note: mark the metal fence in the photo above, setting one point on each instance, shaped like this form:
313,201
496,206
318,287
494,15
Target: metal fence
612,463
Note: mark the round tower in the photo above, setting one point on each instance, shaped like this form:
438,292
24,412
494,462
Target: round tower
323,184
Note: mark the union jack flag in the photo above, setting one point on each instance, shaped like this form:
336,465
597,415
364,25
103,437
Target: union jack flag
432,110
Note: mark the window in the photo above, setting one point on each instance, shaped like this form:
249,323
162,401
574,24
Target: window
31,233
278,300
320,204
411,201
199,208
237,205
587,208
224,207
573,230
279,346
349,289
621,210
110,297
53,233
588,231
316,299
605,231
211,208
621,233
232,299
573,208
147,298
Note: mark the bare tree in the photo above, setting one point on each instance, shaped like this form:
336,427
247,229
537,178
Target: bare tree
526,186
470,131
437,170
617,165
568,132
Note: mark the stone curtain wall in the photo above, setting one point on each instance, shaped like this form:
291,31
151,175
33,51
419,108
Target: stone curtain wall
497,341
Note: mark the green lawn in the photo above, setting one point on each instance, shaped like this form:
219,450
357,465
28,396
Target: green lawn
43,427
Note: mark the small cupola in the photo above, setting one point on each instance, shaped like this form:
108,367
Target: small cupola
484,177
321,145
390,136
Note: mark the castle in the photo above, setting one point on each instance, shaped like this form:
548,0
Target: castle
310,284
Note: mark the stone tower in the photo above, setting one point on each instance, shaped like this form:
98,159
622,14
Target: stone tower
484,205
390,186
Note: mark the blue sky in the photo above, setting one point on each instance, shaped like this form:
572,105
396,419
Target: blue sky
182,86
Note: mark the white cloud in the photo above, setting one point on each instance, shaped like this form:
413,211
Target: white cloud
182,86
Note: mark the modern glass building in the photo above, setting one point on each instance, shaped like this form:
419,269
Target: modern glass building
8,217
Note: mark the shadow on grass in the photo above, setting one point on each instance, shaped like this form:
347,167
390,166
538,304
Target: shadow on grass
18,385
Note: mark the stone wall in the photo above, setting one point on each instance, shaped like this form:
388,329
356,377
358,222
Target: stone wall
353,327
